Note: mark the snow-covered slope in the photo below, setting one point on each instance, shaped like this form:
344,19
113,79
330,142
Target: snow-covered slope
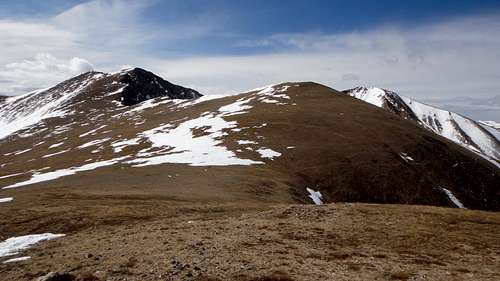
491,124
20,112
457,128
132,85
92,112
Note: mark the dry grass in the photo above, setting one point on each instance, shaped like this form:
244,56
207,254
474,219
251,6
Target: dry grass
335,242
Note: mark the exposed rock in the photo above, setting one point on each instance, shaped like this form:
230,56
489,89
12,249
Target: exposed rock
143,85
56,276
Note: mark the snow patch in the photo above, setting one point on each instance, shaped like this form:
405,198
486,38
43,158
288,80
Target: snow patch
452,198
12,175
375,96
405,157
270,95
14,245
150,104
179,145
116,92
246,142
268,153
42,177
56,153
316,196
186,103
93,143
17,259
235,108
6,199
92,131
17,152
56,145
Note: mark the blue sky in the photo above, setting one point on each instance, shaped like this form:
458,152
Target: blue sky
423,49
234,21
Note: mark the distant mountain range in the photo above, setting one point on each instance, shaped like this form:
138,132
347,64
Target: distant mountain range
459,129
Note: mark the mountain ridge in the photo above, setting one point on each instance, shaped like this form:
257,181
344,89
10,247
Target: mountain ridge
121,87
455,127
272,144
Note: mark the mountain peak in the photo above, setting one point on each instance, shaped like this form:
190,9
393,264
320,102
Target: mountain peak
142,85
459,129
129,86
87,92
383,98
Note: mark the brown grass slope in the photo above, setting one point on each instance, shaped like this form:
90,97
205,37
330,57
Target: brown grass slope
180,222
351,152
345,148
280,242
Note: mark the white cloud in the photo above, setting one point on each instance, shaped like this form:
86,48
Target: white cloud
451,58
48,63
101,30
40,71
22,40
109,33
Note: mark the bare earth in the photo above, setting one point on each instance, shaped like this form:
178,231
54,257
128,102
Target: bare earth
141,239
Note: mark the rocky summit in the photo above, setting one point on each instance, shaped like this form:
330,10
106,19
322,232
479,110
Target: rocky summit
142,85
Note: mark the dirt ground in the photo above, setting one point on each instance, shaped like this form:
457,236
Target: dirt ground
135,239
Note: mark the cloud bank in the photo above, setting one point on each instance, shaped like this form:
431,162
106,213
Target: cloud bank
39,72
447,59
455,57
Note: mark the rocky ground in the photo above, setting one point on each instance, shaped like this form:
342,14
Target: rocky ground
134,239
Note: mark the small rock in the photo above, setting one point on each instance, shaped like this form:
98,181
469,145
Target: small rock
56,276
100,274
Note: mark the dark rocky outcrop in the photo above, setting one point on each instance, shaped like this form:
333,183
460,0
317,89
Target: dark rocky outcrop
143,85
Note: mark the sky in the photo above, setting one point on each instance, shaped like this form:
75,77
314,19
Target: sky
421,49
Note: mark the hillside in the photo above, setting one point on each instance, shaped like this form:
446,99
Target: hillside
267,145
132,177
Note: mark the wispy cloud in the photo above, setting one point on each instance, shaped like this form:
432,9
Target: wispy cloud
30,74
451,58
108,33
455,57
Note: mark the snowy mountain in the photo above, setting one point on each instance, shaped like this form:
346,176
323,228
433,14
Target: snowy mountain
129,87
459,129
132,133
